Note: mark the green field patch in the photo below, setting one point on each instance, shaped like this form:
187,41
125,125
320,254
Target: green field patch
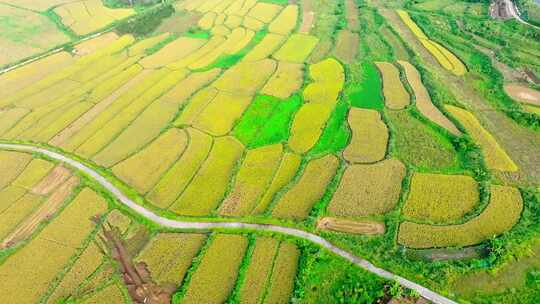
336,133
419,145
267,120
364,86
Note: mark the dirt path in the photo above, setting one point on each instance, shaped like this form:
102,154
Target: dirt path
521,143
122,198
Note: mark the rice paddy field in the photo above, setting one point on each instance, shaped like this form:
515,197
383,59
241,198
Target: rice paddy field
403,132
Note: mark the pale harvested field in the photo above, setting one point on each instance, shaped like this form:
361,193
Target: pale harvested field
523,94
346,48
368,189
54,179
24,33
423,100
92,45
364,227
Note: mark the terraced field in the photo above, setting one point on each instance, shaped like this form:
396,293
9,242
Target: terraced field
314,130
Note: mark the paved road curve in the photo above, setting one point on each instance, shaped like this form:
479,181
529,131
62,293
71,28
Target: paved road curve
512,9
424,292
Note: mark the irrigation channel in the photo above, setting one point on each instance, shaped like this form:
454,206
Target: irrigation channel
364,264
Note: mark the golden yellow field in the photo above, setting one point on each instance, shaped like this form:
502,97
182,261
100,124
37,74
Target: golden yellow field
222,257
440,198
423,100
496,158
369,137
367,190
206,190
297,202
503,211
446,58
287,79
395,95
297,48
142,171
255,174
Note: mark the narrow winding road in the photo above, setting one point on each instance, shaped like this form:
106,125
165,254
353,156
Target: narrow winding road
512,9
422,291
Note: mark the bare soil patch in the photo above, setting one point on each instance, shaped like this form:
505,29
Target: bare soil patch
352,15
523,94
346,46
349,226
57,176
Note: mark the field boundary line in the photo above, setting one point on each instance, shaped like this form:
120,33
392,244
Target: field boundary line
51,52
206,225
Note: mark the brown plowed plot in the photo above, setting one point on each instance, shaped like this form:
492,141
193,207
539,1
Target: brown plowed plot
369,137
346,48
44,212
440,198
395,95
523,94
54,179
423,100
308,17
51,249
168,256
352,15
368,189
255,174
350,226
298,201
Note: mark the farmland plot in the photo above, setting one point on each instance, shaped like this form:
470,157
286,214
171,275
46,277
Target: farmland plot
369,137
440,198
142,171
89,16
503,211
162,257
423,100
286,80
209,185
395,95
368,189
256,172
321,97
51,249
496,157
297,48
446,58
298,201
218,268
